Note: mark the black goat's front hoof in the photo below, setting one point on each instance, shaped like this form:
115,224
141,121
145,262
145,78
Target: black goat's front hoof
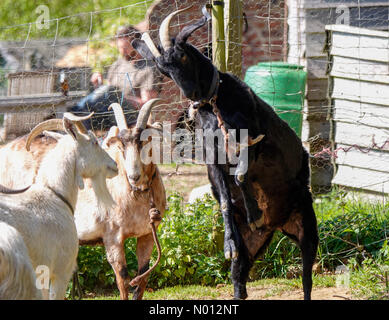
257,224
240,294
255,218
230,251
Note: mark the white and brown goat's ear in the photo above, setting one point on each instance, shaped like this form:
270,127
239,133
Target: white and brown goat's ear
55,135
112,136
70,128
157,125
80,182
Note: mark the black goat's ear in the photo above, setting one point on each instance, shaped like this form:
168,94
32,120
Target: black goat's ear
142,48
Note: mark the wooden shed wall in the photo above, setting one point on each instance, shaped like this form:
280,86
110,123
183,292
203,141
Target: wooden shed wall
310,19
359,80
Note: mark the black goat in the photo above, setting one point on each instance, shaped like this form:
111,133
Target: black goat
98,101
274,193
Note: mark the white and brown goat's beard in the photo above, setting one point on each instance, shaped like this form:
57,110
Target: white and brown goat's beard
104,199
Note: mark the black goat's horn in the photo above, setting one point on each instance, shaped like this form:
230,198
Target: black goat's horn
188,30
144,113
164,34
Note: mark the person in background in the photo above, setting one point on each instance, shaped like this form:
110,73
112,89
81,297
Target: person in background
137,78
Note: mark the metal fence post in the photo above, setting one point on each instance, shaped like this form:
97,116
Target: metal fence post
234,25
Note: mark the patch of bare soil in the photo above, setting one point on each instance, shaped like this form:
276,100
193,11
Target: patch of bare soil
278,293
184,179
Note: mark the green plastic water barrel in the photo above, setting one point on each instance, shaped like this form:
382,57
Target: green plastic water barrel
281,85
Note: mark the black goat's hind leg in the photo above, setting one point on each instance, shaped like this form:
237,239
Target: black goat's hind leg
308,244
302,228
240,269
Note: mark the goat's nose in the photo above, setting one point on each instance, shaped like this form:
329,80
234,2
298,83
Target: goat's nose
114,169
134,177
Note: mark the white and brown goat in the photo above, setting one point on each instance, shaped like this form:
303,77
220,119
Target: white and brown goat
136,186
43,214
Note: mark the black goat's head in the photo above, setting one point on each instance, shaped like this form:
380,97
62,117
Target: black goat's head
179,60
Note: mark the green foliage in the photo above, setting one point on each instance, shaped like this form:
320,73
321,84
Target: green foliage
71,16
370,278
350,232
189,249
347,229
95,20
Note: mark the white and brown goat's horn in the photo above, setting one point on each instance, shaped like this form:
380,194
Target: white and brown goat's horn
52,124
164,34
56,124
144,113
150,44
119,116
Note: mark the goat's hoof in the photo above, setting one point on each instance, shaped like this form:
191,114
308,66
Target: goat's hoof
229,256
241,297
256,224
259,223
230,251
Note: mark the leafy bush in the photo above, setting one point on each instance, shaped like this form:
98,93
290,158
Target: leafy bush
192,251
189,242
371,277
16,16
347,229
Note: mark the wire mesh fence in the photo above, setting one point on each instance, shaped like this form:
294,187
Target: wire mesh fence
48,61
329,79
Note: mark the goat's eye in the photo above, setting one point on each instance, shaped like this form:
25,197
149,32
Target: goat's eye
184,58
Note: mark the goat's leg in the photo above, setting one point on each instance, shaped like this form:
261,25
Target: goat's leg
58,287
61,274
240,269
45,294
254,214
144,248
302,228
117,259
255,245
221,189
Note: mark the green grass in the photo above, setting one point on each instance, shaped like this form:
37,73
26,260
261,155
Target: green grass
273,287
352,233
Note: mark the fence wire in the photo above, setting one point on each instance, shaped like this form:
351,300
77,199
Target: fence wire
46,65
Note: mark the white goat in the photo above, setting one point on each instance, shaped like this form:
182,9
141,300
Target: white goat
43,214
17,276
131,190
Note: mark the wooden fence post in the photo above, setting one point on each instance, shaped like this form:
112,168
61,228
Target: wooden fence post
218,39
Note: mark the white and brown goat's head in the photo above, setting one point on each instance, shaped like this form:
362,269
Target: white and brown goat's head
130,150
